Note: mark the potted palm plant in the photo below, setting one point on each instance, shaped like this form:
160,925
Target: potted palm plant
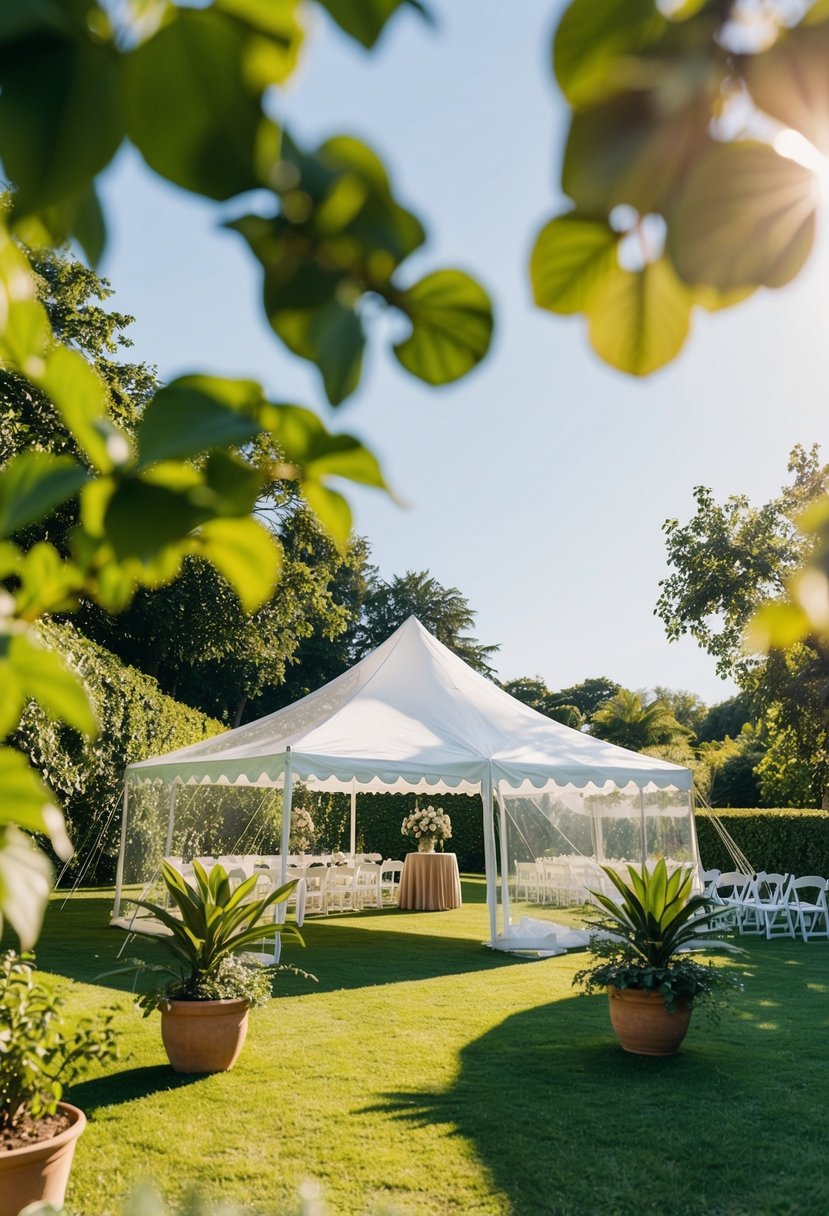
40,1055
643,940
208,985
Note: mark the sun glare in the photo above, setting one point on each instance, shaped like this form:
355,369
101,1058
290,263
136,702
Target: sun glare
794,146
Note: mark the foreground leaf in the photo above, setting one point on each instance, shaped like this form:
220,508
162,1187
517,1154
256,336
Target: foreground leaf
451,318
745,218
34,483
639,320
571,255
246,554
25,882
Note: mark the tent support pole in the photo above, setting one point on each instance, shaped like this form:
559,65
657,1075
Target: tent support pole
119,874
352,826
644,836
287,797
489,854
171,818
505,910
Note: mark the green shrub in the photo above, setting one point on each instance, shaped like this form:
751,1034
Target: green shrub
777,840
137,720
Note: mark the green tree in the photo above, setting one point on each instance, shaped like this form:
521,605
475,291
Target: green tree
727,718
588,696
534,692
688,709
628,720
193,89
733,764
444,611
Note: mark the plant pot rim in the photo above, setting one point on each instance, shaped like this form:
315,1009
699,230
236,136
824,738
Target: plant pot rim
616,993
49,1143
189,1008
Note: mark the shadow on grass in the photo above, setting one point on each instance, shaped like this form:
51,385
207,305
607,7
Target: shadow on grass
345,951
566,1123
128,1085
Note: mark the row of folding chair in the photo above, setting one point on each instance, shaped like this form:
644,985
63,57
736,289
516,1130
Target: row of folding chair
769,904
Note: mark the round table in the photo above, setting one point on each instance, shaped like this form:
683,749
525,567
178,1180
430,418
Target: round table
430,882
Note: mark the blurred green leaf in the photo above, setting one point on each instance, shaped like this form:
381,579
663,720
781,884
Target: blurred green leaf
234,484
570,256
142,519
46,678
745,218
592,37
49,582
32,484
76,216
331,509
638,321
12,696
338,338
272,58
365,20
451,318
60,112
790,81
246,554
194,69
777,625
82,399
631,150
316,452
196,413
25,882
25,801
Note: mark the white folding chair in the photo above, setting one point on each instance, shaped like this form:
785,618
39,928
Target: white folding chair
729,892
528,882
316,889
368,892
391,872
341,886
808,896
767,907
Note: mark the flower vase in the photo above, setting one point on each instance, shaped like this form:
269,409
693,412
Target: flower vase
426,844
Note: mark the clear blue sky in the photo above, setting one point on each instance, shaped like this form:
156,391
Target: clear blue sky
539,484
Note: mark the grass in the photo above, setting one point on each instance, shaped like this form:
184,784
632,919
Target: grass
426,1073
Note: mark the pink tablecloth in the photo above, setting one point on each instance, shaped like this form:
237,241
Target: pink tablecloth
430,882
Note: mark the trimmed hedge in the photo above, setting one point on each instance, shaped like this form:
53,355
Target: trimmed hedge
137,720
379,817
780,840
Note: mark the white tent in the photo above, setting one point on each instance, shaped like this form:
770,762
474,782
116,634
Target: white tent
413,717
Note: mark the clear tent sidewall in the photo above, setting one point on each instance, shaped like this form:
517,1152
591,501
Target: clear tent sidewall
551,826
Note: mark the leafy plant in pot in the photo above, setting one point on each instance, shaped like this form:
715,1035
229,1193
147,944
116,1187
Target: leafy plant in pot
643,941
40,1055
209,986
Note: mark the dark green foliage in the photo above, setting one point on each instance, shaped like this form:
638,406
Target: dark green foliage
137,720
726,718
379,817
780,841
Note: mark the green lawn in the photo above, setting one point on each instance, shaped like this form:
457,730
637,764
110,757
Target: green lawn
424,1072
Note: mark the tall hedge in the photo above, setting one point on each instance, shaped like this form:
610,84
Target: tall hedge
379,817
137,720
780,841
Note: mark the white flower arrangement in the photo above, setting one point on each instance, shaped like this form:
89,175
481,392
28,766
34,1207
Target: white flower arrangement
302,830
430,821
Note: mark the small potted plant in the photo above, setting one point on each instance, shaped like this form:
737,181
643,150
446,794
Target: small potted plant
40,1056
643,940
426,826
209,985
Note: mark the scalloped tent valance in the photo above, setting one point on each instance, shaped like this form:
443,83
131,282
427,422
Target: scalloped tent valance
410,716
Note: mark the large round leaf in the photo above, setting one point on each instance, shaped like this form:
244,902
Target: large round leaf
570,256
745,218
451,318
592,37
60,116
791,83
191,110
639,320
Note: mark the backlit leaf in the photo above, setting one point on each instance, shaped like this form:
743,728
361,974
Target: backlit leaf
451,318
745,218
32,484
591,38
25,882
47,679
639,320
791,82
365,20
196,413
570,256
82,399
246,554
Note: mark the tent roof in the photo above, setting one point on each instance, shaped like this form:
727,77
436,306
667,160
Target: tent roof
410,715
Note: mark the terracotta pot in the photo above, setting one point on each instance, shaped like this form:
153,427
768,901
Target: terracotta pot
203,1036
643,1025
38,1173
426,844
